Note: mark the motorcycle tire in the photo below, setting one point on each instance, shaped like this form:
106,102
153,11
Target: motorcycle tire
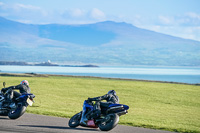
75,120
19,111
110,123
4,113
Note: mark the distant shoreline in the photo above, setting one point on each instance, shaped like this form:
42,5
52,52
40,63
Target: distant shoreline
58,75
42,64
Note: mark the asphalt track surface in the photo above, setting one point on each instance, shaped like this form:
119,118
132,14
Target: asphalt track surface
31,123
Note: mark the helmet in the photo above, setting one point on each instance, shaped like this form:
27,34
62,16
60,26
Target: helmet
24,82
112,92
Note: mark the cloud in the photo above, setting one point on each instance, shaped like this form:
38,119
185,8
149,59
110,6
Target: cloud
37,15
192,18
186,25
186,19
1,3
77,12
97,14
166,20
80,16
74,13
192,33
16,8
27,7
187,32
193,15
21,12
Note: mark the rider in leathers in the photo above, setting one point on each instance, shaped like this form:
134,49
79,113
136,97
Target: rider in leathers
110,97
23,87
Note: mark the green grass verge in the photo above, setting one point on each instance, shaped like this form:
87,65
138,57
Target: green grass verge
172,107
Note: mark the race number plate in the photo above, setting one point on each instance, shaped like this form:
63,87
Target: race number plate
29,101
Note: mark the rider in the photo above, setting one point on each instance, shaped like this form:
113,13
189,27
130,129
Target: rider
23,87
110,97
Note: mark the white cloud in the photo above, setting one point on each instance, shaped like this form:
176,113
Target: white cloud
186,25
29,10
1,3
37,15
192,33
165,20
22,12
193,15
97,14
77,12
192,18
187,19
80,16
29,7
189,32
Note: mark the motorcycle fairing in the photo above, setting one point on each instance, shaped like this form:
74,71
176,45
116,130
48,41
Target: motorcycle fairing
24,96
86,107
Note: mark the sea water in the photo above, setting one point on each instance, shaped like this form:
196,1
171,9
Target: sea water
169,74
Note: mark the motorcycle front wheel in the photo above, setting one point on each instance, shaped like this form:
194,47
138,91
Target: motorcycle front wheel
19,111
109,122
75,120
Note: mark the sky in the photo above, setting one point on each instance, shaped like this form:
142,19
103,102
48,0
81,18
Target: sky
179,18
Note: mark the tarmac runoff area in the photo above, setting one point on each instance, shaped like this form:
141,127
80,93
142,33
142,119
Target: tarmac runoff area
32,123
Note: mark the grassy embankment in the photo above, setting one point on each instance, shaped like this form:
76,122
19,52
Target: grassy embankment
173,107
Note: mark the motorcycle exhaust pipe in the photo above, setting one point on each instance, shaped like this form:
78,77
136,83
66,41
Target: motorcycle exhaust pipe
122,112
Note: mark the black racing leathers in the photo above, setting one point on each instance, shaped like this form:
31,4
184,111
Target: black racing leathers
108,97
111,99
22,88
14,94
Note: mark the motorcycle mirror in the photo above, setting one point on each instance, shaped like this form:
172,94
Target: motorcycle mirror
4,84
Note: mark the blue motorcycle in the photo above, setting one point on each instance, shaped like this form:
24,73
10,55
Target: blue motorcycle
108,119
14,109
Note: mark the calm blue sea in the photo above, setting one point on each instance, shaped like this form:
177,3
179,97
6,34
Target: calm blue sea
171,74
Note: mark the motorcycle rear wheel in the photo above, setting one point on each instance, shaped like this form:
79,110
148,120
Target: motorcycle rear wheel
109,122
75,120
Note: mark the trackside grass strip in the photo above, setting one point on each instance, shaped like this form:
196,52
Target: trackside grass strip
172,107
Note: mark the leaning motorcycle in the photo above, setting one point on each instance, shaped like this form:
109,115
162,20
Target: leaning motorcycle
14,109
108,119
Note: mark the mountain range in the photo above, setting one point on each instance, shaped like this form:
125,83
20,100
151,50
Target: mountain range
104,43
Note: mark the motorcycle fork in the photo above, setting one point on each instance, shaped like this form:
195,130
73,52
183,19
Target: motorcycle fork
83,118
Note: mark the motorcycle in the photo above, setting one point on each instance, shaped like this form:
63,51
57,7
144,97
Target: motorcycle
108,119
14,109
